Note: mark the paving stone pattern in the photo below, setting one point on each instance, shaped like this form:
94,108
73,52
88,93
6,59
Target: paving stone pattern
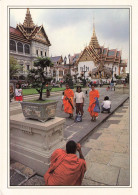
108,160
102,147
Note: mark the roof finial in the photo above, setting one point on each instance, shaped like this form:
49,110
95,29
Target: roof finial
28,22
93,26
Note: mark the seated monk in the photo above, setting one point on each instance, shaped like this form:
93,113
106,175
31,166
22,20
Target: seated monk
66,169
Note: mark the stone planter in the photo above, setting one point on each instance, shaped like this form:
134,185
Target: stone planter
32,142
39,111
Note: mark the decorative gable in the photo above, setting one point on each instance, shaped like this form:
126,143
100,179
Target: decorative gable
40,35
85,57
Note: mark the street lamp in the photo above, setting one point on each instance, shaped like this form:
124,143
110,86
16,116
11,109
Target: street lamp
84,69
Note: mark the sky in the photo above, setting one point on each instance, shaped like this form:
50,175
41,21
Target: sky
70,30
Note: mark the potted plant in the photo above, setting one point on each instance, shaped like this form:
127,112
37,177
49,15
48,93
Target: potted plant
40,109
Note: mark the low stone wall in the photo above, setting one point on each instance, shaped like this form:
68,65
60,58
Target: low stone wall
33,142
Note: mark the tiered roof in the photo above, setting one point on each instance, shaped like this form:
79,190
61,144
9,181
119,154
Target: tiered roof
94,40
99,54
28,22
29,31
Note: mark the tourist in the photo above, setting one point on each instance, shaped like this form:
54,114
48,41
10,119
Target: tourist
47,91
79,100
68,101
18,93
92,103
107,89
66,169
111,85
106,105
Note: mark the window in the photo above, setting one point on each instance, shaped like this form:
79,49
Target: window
27,49
37,52
12,45
111,53
45,53
41,53
27,67
20,47
60,73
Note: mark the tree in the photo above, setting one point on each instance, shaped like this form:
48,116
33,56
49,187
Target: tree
37,76
14,67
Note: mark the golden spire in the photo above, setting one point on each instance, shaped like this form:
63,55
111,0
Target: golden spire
28,22
94,41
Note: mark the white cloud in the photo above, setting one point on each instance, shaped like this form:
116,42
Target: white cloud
69,30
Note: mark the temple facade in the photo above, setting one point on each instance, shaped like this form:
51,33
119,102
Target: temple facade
27,42
97,62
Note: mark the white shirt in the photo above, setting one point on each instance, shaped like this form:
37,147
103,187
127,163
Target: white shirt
106,104
18,92
79,97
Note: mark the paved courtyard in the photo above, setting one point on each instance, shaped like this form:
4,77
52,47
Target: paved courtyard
105,144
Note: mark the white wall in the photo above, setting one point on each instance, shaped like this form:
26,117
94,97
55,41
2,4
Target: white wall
40,47
89,64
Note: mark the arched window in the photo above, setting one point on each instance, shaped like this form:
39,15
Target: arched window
27,49
20,47
12,45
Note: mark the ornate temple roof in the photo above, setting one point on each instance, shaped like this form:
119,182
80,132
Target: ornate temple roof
30,31
99,54
94,40
28,22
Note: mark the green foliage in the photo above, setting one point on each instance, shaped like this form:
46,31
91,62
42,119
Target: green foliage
118,77
67,77
14,66
33,91
38,101
37,77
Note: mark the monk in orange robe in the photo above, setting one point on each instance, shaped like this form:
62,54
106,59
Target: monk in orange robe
66,169
68,101
92,95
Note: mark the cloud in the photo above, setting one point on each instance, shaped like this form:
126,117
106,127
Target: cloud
69,30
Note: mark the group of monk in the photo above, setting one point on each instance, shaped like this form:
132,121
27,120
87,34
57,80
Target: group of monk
68,102
66,168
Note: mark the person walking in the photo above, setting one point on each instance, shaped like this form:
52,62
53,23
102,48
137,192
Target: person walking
93,99
79,101
66,168
68,101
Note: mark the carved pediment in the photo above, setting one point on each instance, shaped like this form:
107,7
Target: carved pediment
40,35
85,57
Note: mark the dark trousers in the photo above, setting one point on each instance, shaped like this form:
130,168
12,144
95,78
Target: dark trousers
104,109
79,108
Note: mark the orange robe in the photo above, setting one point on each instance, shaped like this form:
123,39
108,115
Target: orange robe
67,107
65,169
92,96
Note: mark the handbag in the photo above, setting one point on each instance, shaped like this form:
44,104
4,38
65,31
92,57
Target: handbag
97,106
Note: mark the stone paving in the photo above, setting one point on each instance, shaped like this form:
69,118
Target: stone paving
108,160
106,166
